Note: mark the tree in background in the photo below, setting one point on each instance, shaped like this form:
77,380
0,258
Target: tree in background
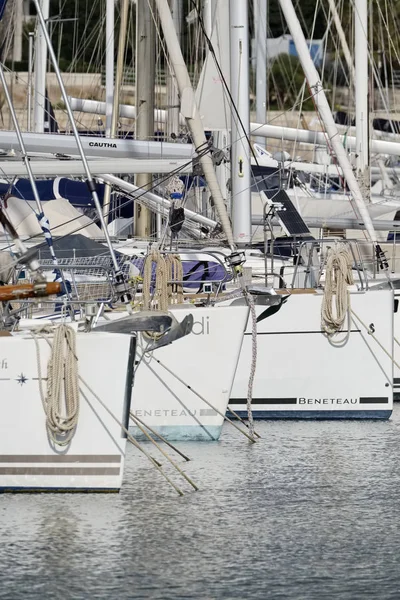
306,13
285,82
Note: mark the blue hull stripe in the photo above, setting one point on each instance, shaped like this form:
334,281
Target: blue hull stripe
316,414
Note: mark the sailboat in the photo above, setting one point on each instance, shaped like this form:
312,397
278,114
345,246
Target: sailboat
281,316
64,423
169,381
299,359
293,350
65,397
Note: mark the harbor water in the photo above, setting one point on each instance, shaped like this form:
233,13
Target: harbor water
309,512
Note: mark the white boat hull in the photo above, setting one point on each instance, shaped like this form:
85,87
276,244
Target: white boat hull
205,360
301,375
94,460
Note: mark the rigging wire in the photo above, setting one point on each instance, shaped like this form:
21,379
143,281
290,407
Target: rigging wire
132,198
221,74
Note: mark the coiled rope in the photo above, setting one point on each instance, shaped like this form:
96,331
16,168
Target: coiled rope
168,287
65,337
160,297
175,277
336,300
61,402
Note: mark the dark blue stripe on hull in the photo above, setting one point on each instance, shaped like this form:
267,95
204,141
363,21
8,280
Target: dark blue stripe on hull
396,389
315,414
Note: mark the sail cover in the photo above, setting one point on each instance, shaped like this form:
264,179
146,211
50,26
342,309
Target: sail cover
196,271
2,8
211,96
63,217
76,192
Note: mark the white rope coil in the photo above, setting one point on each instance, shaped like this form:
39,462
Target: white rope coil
168,288
336,299
61,402
160,297
175,277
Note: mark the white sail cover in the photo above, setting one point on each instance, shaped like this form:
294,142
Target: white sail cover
63,217
211,97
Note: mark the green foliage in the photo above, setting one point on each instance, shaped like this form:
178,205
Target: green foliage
73,27
285,80
305,11
77,29
384,28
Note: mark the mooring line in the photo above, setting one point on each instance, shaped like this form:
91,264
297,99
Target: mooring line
173,463
162,438
130,438
204,400
242,421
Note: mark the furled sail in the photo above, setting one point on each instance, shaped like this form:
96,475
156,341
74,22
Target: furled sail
211,96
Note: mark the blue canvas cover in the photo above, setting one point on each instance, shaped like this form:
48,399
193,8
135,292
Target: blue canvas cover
195,272
2,8
76,192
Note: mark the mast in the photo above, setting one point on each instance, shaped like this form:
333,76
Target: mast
145,77
118,82
109,63
323,108
18,22
172,92
261,34
25,158
342,38
362,77
240,147
191,113
90,183
207,16
40,70
41,217
211,95
30,65
349,59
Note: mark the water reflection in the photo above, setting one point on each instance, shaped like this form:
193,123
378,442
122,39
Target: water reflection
308,512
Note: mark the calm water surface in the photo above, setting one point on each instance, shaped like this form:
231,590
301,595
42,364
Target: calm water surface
311,511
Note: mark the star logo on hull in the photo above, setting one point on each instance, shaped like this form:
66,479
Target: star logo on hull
21,379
